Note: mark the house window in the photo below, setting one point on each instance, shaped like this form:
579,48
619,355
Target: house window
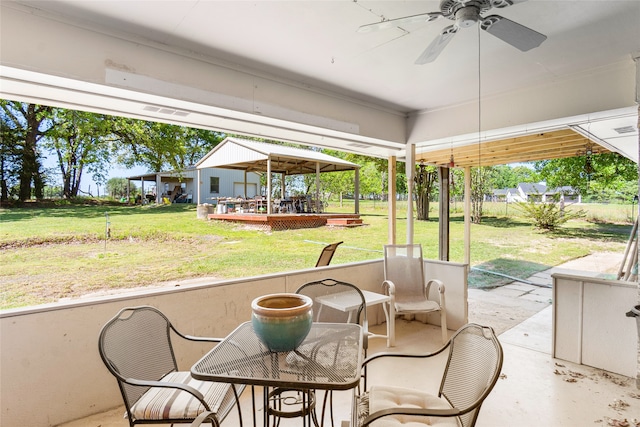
214,184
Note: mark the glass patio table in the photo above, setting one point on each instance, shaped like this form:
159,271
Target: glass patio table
330,358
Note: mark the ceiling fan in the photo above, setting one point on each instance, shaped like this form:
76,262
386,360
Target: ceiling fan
466,13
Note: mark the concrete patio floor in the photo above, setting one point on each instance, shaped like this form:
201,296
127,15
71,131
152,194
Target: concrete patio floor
534,390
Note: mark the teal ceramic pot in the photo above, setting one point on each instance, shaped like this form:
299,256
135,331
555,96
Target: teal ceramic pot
282,321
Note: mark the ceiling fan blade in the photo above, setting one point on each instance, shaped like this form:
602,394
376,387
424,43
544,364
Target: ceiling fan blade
437,45
511,32
499,4
390,23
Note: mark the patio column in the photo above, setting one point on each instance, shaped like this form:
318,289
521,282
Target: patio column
391,200
443,222
269,185
467,216
282,189
317,187
199,184
158,184
410,168
356,183
636,59
245,184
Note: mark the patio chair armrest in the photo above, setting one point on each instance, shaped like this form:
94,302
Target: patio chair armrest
365,335
194,338
164,384
205,417
453,412
201,339
440,284
389,288
405,355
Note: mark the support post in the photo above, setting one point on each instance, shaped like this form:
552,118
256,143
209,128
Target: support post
356,201
318,188
391,202
467,217
443,217
636,59
198,186
158,195
269,186
282,189
410,169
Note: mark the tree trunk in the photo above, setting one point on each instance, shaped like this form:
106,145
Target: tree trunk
422,206
477,196
424,181
30,171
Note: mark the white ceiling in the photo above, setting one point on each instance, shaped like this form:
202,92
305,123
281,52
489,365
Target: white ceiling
315,43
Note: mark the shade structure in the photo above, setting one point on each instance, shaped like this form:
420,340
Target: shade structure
253,156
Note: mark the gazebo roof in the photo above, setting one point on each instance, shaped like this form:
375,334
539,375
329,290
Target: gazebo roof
252,156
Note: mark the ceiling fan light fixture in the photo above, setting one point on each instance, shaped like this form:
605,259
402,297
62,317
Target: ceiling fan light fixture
467,16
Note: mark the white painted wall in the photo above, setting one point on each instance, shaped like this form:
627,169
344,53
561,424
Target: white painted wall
230,180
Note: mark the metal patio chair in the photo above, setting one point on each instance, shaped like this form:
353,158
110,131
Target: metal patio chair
473,367
137,349
321,292
327,254
404,281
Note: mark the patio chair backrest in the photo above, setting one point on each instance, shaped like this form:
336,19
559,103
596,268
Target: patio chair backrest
473,367
327,254
136,343
404,266
324,313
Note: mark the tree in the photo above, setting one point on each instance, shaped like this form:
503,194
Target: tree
590,175
28,124
480,184
506,176
118,187
161,146
81,142
9,159
425,178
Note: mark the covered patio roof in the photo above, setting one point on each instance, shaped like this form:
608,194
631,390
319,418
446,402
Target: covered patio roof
555,144
253,156
304,74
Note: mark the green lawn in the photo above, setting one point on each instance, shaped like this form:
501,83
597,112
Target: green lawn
61,252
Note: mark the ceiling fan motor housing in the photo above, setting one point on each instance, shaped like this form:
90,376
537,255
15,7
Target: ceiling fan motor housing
468,8
467,16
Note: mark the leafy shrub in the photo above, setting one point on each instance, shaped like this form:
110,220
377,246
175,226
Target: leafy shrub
548,215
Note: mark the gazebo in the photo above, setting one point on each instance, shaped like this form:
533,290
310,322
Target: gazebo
253,156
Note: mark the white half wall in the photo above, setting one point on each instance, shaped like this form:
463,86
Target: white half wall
589,323
52,372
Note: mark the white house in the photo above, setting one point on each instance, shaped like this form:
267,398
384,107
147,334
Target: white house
537,192
214,182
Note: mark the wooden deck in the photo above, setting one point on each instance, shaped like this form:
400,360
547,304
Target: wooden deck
286,221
